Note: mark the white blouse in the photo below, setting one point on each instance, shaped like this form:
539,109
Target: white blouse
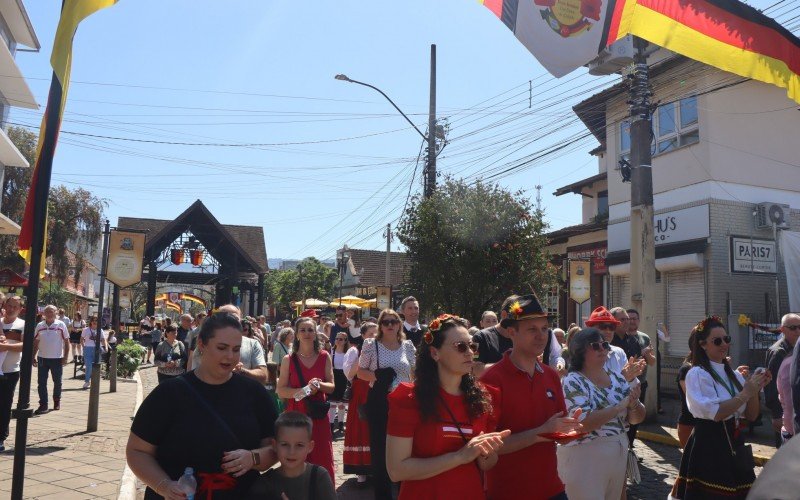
704,394
350,358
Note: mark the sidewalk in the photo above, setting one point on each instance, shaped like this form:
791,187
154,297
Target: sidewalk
63,461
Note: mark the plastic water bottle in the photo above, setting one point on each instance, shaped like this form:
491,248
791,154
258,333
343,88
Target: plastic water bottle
302,393
188,483
169,357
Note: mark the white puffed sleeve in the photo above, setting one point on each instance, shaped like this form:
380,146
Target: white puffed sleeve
703,396
350,358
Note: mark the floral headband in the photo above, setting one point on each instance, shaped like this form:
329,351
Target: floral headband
516,310
436,326
701,326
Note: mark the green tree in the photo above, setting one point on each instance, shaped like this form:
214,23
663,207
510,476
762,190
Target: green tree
319,282
53,293
16,182
472,245
75,216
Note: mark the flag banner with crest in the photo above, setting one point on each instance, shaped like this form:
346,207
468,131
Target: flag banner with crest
562,34
726,34
72,13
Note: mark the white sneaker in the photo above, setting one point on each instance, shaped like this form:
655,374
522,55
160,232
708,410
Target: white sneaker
86,385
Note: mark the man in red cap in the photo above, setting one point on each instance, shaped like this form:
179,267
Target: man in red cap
602,319
532,403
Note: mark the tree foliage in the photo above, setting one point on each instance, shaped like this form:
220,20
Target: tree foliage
472,245
16,182
53,293
319,282
74,216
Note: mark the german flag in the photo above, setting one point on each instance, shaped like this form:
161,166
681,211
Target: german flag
72,13
726,34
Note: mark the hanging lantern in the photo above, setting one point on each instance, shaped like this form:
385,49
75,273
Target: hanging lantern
176,256
196,257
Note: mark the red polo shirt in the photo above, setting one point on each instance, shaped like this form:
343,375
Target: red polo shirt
526,403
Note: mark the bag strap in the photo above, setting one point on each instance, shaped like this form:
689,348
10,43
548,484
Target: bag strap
298,369
211,411
460,432
730,444
377,355
312,481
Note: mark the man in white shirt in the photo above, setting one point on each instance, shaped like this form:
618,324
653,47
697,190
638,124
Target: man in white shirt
252,362
13,328
62,316
414,331
51,341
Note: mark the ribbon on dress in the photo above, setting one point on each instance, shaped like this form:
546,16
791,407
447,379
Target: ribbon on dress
211,482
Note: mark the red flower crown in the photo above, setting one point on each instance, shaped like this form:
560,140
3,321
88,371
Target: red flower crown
702,325
436,326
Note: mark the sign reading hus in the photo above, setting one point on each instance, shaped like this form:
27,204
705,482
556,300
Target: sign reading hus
670,227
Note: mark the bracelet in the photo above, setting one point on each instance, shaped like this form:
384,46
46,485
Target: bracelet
256,457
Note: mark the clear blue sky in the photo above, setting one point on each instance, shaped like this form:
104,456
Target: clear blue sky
261,72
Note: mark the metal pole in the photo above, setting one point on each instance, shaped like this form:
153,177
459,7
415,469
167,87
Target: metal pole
643,269
430,168
388,255
777,273
44,168
341,277
94,390
112,352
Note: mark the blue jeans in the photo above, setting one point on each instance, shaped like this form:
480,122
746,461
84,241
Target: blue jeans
88,355
49,365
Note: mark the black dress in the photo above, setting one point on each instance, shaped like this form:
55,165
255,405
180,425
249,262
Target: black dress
339,379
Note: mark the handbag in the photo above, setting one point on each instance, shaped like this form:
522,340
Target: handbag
743,462
632,472
315,408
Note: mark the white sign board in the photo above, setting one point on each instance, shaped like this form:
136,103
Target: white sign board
757,256
670,227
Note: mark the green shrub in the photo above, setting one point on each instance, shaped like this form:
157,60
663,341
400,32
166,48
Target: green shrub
129,356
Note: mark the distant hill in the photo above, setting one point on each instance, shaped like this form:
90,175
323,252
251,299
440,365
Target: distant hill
278,263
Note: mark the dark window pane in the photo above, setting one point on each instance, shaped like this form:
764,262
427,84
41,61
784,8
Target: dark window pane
690,137
666,119
602,203
667,145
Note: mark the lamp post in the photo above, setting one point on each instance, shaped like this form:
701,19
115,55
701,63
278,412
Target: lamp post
302,288
342,263
430,167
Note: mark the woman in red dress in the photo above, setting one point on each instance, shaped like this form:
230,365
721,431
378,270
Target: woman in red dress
356,456
310,366
441,427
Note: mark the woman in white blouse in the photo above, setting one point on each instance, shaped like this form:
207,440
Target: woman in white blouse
715,462
385,362
594,466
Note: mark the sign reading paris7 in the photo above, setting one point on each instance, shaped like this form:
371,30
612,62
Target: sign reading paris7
125,253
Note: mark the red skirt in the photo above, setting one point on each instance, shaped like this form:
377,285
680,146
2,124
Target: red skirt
322,454
356,457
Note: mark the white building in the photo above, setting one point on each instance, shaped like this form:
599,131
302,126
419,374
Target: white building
722,146
15,30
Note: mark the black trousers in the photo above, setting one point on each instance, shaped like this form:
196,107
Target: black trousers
378,420
162,377
632,429
8,385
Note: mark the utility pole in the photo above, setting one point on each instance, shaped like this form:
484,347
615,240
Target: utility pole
643,256
94,389
388,236
430,168
538,197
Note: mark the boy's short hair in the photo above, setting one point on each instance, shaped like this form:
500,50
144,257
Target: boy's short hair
294,419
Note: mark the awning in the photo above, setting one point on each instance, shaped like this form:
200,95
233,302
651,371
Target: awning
9,154
12,83
8,226
676,263
19,23
10,278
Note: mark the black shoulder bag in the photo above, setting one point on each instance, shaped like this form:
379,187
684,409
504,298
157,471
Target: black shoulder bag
315,408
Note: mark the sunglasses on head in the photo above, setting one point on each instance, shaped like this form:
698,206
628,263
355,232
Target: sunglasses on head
389,322
717,341
462,346
600,346
606,326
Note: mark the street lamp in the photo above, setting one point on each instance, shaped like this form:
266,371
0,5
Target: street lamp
302,288
342,263
345,78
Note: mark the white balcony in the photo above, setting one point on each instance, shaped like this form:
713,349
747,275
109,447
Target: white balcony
16,17
9,154
12,83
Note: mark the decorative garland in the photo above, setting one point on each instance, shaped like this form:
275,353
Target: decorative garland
745,321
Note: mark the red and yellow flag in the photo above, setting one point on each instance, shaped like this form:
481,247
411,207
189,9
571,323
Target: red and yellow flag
726,34
72,13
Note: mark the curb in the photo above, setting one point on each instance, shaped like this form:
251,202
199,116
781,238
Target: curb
668,440
127,487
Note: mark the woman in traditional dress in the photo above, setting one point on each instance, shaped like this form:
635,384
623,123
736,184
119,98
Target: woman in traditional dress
356,456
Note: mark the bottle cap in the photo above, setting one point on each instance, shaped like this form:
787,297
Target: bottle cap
188,471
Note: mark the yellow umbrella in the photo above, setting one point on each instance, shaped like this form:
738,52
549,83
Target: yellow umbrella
311,303
349,305
350,299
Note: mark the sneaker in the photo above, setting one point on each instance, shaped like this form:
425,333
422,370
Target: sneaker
41,410
86,385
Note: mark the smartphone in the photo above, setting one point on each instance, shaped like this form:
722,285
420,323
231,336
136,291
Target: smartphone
759,370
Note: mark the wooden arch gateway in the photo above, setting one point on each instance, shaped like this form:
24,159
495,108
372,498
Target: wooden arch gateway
232,258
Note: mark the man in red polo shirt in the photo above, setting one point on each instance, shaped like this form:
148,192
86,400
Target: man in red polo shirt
532,403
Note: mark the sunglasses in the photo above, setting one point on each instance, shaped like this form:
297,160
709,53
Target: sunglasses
717,341
462,346
600,346
342,339
793,328
389,322
606,326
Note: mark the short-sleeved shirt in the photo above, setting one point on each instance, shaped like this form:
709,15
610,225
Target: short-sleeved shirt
252,354
401,359
51,339
11,363
616,360
526,403
491,344
435,437
186,433
685,417
580,392
272,484
704,393
88,334
784,386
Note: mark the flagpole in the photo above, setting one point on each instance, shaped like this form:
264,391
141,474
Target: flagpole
42,173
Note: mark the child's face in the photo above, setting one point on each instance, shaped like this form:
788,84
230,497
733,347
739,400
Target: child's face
293,446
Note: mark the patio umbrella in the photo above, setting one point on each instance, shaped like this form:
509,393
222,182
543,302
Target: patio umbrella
351,299
311,303
335,303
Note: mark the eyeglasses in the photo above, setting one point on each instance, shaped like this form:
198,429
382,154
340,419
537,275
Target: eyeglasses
600,346
389,322
793,328
342,339
462,346
717,341
606,326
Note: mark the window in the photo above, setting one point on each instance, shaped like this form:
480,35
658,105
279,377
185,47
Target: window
675,125
602,203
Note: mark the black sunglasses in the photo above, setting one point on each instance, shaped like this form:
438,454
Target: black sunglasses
462,346
600,346
389,322
606,326
719,340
